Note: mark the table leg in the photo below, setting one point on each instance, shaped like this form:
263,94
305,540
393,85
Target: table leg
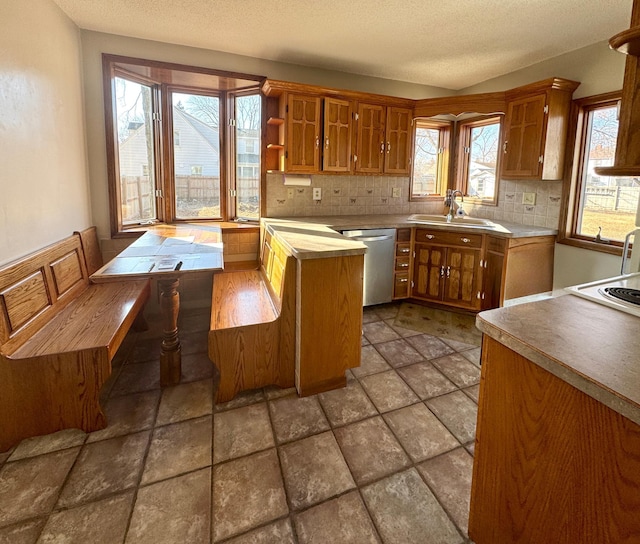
170,359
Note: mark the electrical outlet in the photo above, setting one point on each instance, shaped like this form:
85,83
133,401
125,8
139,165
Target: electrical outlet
395,192
529,199
317,193
290,192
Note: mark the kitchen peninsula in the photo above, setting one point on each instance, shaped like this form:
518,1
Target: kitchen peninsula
557,455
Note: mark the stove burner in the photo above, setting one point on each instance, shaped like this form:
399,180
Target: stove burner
624,293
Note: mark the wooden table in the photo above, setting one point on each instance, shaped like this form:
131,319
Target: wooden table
167,253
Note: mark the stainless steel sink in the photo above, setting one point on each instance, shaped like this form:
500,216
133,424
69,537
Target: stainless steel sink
464,221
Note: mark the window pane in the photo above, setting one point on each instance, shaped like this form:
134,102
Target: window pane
425,157
483,158
196,155
248,113
607,202
134,110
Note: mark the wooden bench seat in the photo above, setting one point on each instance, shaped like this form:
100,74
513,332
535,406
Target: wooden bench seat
252,333
58,335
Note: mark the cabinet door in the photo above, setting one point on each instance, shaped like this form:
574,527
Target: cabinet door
303,133
336,156
428,270
370,146
461,277
524,138
398,140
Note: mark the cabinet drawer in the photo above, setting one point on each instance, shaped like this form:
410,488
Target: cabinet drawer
403,249
449,238
402,263
401,285
403,235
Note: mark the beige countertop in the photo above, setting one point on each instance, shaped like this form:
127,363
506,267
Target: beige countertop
588,345
317,237
346,222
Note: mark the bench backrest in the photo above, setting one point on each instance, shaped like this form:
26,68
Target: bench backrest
91,249
277,265
36,287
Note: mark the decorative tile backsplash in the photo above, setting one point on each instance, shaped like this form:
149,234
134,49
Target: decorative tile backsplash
365,195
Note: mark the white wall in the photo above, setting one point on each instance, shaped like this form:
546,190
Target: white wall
44,193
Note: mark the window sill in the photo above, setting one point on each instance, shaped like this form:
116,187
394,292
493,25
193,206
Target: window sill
611,249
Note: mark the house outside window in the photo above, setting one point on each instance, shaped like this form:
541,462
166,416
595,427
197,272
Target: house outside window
430,159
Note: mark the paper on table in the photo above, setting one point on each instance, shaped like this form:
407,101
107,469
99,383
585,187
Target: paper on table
167,264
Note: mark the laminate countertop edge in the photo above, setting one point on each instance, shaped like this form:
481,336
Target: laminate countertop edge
614,382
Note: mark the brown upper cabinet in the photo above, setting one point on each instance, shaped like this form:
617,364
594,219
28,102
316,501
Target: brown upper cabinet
535,130
302,143
336,155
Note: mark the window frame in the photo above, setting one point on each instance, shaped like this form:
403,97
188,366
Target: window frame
198,81
462,159
572,190
443,166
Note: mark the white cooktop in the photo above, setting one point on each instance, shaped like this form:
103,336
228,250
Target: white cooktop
594,291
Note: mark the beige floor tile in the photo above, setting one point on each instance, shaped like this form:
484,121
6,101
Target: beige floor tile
241,431
472,355
273,392
420,432
426,381
105,467
388,391
175,510
134,378
22,533
398,353
314,470
457,345
449,476
247,492
371,362
459,370
145,350
369,316
458,412
387,311
129,414
406,512
279,532
294,418
402,331
347,405
429,346
471,448
344,520
196,367
196,320
370,449
195,342
48,443
104,521
379,331
185,401
29,487
364,341
177,449
473,392
241,399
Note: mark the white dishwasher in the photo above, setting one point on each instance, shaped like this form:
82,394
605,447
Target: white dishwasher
378,263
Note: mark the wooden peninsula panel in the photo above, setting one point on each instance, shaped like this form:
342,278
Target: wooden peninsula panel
328,321
552,464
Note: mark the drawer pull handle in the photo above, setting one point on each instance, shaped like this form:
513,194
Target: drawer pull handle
448,271
465,240
403,265
430,236
403,280
404,250
442,271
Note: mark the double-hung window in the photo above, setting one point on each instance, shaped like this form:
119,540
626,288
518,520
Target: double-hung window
601,209
183,143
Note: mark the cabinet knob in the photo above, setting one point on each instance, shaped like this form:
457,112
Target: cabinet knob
403,265
388,147
442,271
430,236
465,240
405,250
317,142
403,280
381,147
326,143
504,147
448,271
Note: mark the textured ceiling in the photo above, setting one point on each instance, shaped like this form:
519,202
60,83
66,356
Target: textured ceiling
445,43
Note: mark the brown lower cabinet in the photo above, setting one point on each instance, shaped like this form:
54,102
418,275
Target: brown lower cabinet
471,271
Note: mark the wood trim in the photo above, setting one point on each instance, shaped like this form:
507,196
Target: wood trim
487,103
539,87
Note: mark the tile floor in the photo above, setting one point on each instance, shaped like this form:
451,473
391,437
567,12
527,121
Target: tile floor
385,460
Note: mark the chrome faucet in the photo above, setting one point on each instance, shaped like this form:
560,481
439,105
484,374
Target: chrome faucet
452,204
